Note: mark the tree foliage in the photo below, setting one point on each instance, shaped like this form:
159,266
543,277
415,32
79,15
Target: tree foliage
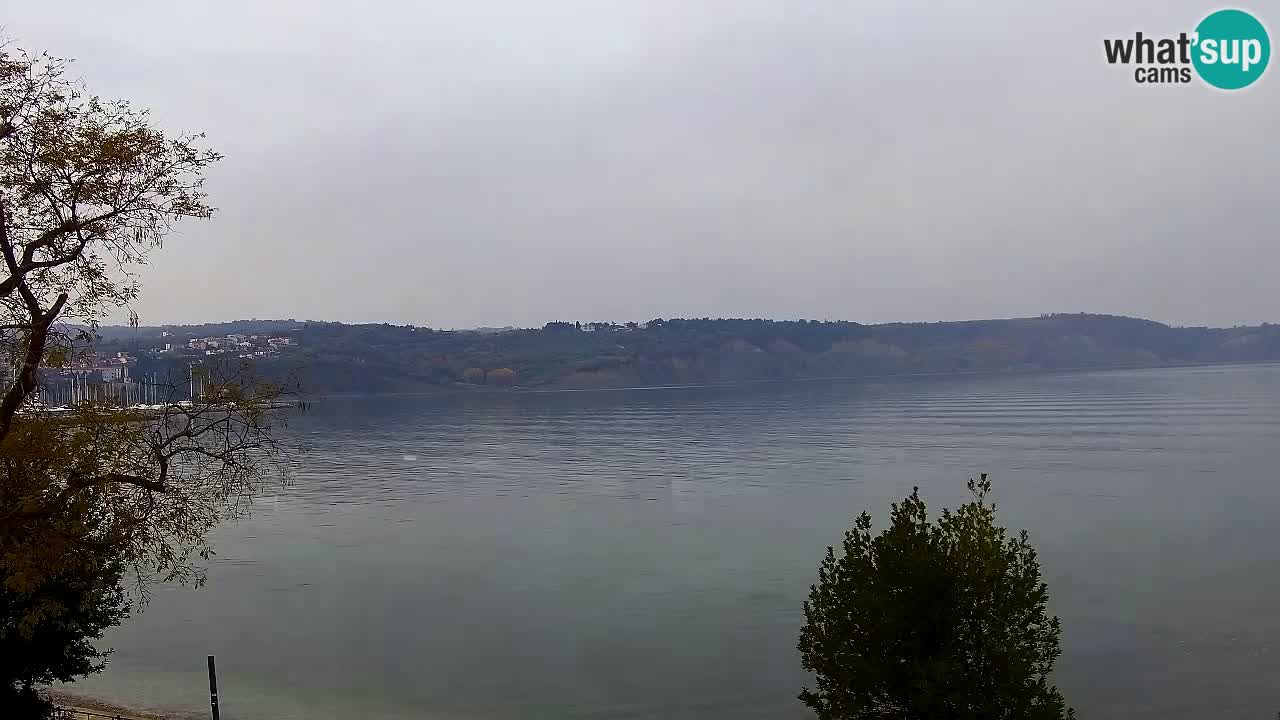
105,499
60,591
937,621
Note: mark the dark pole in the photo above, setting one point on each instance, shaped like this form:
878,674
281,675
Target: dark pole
213,689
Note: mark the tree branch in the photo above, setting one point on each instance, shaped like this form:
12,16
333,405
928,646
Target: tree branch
25,383
77,482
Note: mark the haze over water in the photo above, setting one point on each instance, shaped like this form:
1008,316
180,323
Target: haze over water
645,553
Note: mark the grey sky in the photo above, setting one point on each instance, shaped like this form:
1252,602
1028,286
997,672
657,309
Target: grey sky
511,162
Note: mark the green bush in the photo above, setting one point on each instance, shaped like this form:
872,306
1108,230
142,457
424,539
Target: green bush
932,621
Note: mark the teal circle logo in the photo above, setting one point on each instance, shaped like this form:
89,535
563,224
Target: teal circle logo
1231,49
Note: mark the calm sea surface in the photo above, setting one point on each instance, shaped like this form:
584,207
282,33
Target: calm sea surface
645,553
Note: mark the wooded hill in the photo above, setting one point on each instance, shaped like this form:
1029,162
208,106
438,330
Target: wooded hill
336,357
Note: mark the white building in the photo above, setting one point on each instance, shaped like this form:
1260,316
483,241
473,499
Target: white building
113,373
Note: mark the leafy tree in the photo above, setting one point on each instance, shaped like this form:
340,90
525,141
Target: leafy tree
473,375
936,621
106,499
57,613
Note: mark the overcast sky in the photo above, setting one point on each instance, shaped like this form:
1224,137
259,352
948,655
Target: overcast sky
496,162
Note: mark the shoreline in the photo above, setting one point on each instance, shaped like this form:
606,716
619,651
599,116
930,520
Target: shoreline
459,389
87,707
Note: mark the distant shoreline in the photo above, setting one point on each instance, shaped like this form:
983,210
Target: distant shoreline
333,358
518,390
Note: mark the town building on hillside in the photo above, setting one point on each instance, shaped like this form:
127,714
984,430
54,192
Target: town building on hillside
118,372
